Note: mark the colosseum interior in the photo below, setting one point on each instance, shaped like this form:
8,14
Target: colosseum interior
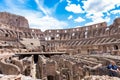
61,54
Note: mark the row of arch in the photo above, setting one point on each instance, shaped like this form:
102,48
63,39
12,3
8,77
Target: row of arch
17,35
97,30
83,34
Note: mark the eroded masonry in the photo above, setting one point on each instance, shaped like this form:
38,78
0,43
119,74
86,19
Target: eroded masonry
61,54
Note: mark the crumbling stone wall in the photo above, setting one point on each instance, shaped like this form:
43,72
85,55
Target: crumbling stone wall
92,39
96,38
18,63
8,68
74,67
28,63
13,20
47,68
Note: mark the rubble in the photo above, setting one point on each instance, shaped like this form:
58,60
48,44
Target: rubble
16,77
92,77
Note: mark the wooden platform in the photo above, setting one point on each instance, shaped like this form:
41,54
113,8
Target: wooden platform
41,53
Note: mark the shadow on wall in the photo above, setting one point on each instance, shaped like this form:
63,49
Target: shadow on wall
50,77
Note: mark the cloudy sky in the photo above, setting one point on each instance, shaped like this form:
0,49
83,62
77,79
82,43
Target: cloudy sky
62,14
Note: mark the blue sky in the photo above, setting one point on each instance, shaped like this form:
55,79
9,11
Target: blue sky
62,14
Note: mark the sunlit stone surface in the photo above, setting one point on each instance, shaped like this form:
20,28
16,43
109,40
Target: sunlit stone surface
62,54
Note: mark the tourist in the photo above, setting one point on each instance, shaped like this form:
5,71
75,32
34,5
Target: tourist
113,69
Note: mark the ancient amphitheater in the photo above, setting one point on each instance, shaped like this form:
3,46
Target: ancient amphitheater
61,54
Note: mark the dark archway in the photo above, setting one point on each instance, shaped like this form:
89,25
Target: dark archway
43,48
6,35
35,58
1,72
115,47
52,38
50,77
1,47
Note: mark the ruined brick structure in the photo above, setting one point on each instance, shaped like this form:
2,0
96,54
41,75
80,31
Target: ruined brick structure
26,46
97,38
75,67
13,20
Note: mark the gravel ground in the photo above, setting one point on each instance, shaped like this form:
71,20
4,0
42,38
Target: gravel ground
93,77
13,77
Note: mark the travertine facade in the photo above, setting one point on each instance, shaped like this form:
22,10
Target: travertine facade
17,38
97,38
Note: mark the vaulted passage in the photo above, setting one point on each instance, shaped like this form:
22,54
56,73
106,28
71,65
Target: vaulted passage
0,72
50,77
35,58
115,47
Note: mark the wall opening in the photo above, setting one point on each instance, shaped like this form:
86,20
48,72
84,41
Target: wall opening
31,43
104,49
52,38
50,77
43,48
35,58
6,35
1,72
115,47
24,47
1,47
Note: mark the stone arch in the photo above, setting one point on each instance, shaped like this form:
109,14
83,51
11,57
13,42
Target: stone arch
16,34
35,58
43,48
10,34
86,34
104,49
50,77
29,35
20,34
52,38
1,32
1,72
5,33
116,47
73,35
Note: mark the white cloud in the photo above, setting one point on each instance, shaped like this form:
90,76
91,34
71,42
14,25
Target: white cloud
117,16
74,8
98,20
40,7
46,22
99,5
37,20
68,1
70,17
47,11
96,8
115,12
79,19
